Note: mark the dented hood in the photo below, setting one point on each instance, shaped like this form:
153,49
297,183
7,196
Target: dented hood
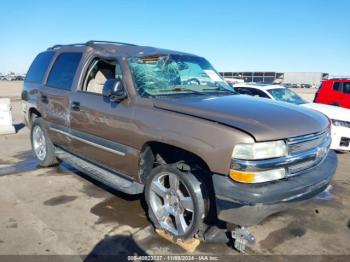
263,119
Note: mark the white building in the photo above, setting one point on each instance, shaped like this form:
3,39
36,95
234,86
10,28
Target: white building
310,78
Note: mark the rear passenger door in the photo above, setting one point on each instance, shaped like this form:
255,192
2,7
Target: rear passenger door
336,94
54,96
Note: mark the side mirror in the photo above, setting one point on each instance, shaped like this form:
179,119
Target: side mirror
114,90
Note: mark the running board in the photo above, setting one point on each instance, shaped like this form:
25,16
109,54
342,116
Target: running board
106,177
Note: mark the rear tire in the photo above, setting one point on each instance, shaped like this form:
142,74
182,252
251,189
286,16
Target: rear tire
175,201
43,148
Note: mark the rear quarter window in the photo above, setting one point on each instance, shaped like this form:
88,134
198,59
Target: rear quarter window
346,87
63,71
337,86
39,67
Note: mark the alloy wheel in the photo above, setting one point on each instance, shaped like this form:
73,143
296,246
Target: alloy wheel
172,203
39,143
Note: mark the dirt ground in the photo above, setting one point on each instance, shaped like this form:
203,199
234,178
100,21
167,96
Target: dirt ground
59,210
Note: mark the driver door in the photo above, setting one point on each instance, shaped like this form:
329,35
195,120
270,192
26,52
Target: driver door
98,126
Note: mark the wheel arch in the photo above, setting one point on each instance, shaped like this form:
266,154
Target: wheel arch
152,152
193,163
32,111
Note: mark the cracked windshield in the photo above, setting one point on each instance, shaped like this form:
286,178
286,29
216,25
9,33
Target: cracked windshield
176,74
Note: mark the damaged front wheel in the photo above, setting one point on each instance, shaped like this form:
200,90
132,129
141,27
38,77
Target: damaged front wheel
175,201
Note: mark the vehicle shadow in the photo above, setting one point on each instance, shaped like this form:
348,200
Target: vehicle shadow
26,162
339,152
115,248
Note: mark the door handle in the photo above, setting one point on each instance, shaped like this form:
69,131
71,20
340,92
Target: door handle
75,106
44,99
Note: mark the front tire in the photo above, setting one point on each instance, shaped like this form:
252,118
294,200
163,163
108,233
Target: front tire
43,148
175,201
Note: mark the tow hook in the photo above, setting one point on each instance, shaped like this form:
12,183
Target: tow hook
242,237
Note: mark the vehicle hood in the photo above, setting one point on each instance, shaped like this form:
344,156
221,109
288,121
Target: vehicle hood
333,112
263,119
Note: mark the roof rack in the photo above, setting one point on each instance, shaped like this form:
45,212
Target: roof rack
59,46
91,42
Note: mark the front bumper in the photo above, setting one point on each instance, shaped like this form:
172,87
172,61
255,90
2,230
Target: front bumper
248,204
25,113
340,137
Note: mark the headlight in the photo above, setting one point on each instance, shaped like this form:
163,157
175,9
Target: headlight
340,123
258,151
264,150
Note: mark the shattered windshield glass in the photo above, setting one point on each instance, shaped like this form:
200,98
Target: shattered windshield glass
174,74
286,95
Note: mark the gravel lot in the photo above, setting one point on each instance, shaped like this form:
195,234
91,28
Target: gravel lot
60,211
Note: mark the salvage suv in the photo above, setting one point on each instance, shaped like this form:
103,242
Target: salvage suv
164,124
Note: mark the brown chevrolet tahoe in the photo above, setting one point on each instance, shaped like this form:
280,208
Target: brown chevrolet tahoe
164,124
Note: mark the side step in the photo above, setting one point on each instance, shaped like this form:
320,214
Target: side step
106,177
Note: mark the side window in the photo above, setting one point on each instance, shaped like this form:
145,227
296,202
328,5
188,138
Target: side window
337,86
259,93
346,87
244,91
98,73
38,68
63,71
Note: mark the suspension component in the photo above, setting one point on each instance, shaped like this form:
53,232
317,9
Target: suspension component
242,237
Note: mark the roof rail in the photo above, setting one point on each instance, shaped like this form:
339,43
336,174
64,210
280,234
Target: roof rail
54,47
91,42
59,46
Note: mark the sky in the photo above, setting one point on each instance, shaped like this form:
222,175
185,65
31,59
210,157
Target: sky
234,35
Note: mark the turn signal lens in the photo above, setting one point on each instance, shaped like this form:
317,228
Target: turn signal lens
242,176
257,177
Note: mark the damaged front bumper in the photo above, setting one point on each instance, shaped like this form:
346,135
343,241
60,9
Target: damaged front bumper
248,204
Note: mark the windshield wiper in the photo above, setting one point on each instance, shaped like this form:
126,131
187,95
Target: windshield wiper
180,89
220,88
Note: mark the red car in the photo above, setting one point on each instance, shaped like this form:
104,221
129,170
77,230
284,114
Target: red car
334,92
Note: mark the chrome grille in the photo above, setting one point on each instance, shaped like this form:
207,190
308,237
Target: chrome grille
317,143
308,142
301,166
